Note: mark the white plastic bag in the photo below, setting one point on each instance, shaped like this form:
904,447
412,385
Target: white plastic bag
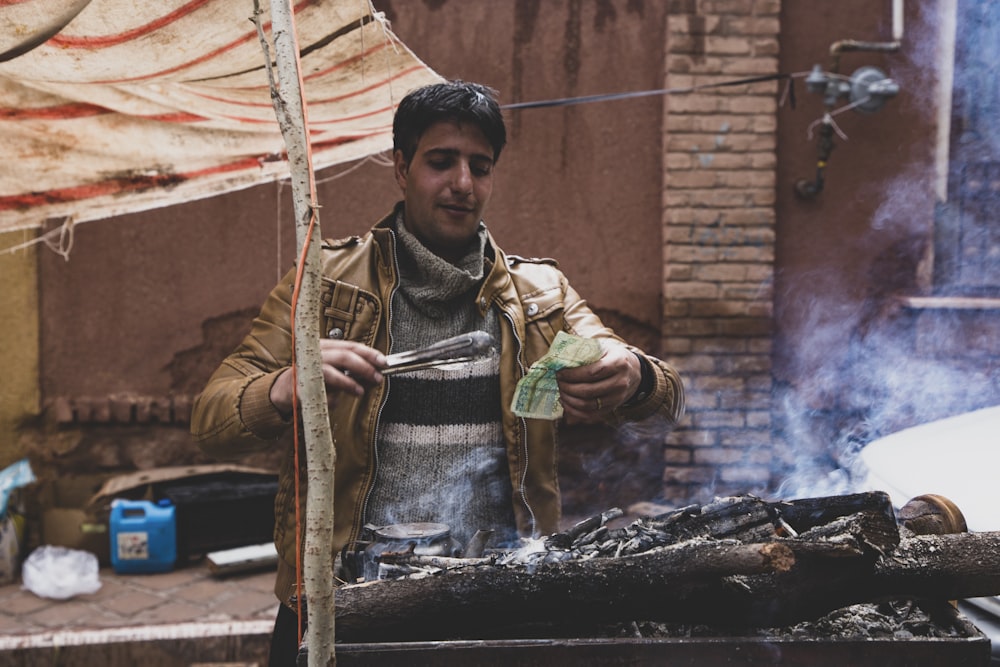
60,573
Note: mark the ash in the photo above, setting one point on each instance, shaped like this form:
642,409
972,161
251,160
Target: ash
593,538
900,620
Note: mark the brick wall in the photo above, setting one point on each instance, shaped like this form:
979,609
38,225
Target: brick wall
718,230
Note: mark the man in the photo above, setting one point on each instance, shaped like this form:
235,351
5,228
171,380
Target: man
437,445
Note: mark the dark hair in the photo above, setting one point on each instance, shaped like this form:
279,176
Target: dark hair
453,101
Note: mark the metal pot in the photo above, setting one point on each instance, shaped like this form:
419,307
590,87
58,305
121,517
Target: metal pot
423,539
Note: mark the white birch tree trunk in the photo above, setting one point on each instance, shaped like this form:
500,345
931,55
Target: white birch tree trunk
288,99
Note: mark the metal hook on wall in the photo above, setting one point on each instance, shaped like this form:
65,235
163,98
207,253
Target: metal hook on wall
866,90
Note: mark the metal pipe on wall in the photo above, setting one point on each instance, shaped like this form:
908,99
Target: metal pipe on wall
868,89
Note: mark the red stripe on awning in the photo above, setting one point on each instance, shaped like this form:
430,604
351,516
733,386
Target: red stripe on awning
116,186
100,42
208,56
191,63
314,75
123,185
58,112
350,61
178,117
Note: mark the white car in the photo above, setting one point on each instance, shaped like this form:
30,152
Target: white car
958,458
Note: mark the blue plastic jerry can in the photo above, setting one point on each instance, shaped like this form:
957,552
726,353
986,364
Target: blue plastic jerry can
143,536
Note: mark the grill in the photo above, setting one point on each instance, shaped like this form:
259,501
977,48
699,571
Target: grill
569,611
704,652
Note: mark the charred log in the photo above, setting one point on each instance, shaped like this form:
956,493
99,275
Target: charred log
807,513
867,532
586,577
945,567
485,601
686,583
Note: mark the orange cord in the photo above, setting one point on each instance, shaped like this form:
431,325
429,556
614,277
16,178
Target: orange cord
295,429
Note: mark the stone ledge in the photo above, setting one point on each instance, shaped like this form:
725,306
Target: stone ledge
121,409
948,302
179,643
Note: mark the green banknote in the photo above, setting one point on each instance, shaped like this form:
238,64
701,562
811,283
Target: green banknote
537,393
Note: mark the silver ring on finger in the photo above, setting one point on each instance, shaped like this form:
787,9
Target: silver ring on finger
599,407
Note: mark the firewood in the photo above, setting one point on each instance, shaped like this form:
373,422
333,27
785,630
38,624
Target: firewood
806,513
745,518
482,601
863,533
686,583
795,561
946,567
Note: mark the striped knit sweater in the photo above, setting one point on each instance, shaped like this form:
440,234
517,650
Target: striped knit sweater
440,447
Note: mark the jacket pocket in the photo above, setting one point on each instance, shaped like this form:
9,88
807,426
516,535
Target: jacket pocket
543,313
348,312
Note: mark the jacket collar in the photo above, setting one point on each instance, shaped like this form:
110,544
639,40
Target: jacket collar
497,277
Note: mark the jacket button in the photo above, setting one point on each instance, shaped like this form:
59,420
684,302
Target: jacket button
532,309
336,334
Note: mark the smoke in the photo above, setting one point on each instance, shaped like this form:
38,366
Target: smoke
873,367
867,365
610,466
885,390
469,494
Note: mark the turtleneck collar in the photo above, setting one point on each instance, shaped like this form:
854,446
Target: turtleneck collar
428,279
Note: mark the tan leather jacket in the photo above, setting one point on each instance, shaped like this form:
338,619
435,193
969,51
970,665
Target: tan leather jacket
234,415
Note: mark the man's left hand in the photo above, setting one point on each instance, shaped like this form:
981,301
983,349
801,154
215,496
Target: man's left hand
590,393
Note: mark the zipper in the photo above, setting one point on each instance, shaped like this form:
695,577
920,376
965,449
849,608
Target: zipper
385,394
522,483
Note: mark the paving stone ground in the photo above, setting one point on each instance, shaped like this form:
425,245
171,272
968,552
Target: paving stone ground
188,594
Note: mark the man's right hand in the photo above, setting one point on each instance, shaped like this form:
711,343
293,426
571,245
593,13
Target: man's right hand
347,367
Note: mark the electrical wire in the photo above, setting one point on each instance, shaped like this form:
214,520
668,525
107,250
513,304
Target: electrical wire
605,97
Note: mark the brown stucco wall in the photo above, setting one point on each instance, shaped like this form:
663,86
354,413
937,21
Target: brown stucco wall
865,233
578,183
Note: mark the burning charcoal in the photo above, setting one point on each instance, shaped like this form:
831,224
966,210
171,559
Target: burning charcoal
558,541
387,571
608,547
592,536
784,529
565,539
618,534
557,556
654,536
638,544
669,518
806,513
735,581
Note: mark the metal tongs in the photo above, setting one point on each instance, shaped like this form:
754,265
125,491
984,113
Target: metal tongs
464,347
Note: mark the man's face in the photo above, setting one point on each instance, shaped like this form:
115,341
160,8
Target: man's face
446,186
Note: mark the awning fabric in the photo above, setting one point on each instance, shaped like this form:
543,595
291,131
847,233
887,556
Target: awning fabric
115,106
